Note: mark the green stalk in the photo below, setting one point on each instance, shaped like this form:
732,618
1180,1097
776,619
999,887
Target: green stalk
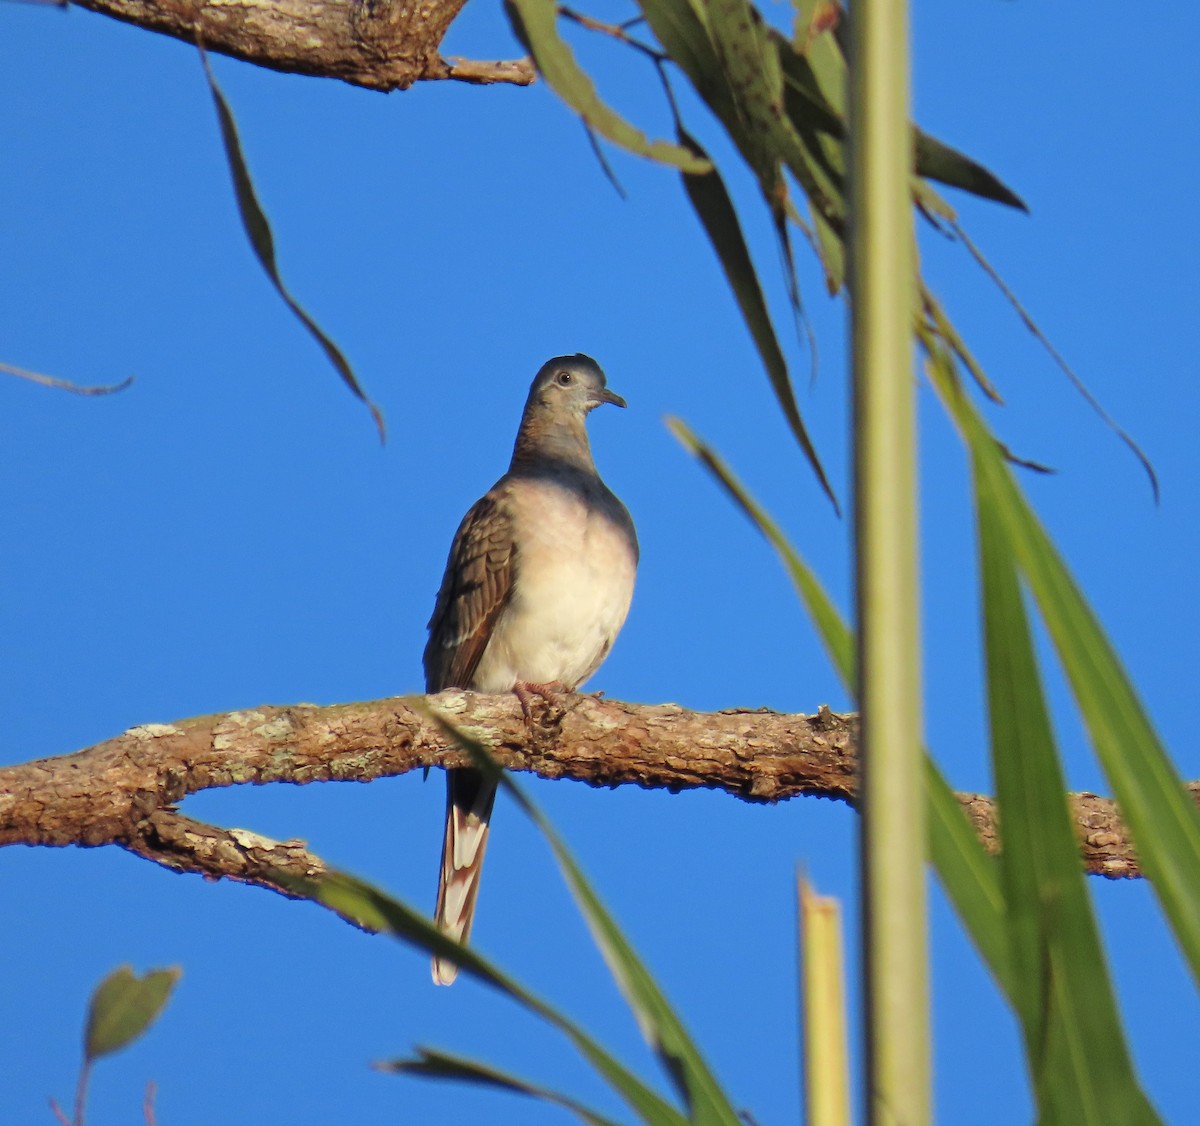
889,685
826,1054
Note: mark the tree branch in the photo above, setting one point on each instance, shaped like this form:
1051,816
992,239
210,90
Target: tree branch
124,791
377,44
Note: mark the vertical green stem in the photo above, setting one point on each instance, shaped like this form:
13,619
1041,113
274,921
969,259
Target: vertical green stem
889,685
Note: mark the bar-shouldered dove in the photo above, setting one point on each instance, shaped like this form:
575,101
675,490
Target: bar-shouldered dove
537,585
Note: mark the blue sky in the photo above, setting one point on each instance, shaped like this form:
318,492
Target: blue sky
229,532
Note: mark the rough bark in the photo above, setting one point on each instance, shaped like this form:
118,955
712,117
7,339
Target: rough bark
378,44
124,791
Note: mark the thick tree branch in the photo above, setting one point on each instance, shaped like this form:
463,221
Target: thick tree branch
378,44
124,791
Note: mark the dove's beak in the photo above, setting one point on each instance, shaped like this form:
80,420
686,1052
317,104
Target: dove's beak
604,395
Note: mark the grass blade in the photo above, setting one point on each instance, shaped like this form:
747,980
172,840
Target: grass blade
1162,818
661,1028
831,628
826,1054
1081,1068
432,1064
368,906
965,869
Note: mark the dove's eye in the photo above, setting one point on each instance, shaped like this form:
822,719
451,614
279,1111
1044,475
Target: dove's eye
564,379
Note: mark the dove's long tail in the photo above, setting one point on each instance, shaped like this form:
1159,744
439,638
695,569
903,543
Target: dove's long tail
469,800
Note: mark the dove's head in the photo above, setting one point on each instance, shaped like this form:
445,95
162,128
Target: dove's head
569,386
552,427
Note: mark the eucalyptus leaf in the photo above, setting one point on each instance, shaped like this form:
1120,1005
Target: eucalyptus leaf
258,231
710,199
534,22
939,161
815,68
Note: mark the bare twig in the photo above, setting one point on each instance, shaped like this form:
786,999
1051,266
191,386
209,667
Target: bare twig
148,1103
1057,356
619,31
85,1074
602,160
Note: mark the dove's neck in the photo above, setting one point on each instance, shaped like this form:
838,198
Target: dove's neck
553,438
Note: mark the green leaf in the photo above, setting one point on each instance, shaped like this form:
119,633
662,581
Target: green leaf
967,872
1081,1069
816,73
681,26
1162,818
258,230
368,906
432,1064
831,628
716,212
947,165
733,61
534,22
751,68
123,1007
969,876
661,1028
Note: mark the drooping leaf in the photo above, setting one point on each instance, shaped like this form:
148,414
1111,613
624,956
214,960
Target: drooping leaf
751,69
534,22
716,212
1081,1068
663,1031
750,54
258,230
432,1064
732,60
123,1007
373,908
947,165
681,26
